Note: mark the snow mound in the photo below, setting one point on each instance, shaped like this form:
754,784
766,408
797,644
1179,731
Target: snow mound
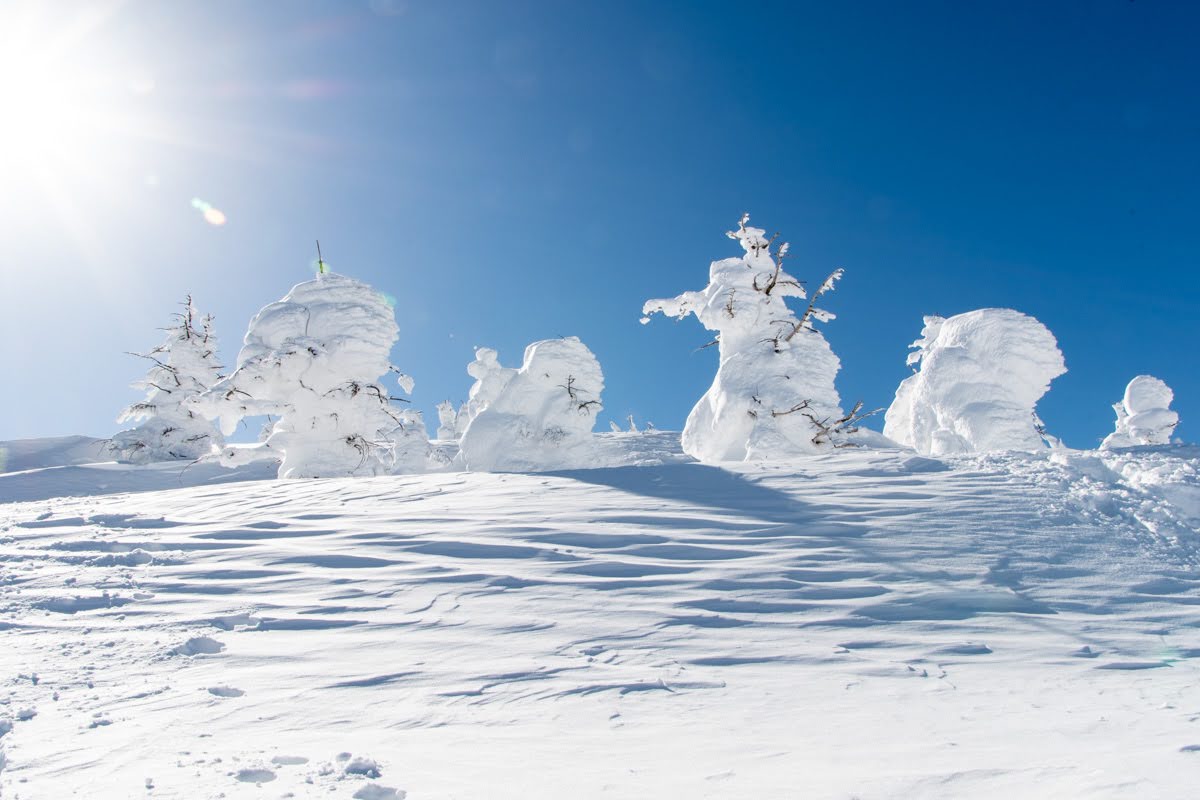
1144,415
313,360
537,418
979,377
1157,488
773,395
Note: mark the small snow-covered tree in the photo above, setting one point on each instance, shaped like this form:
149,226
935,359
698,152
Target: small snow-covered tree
490,380
182,367
539,417
447,421
977,378
773,395
1144,414
313,360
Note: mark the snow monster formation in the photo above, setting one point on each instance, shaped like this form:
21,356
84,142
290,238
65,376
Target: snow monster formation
538,417
1144,415
184,366
773,395
313,360
977,379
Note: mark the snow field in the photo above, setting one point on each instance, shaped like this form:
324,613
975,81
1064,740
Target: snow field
867,623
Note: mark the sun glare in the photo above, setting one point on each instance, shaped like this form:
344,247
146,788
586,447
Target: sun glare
67,98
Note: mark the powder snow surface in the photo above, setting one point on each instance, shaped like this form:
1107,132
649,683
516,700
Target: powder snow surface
866,623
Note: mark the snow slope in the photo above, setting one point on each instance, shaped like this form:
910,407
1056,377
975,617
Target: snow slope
53,451
866,623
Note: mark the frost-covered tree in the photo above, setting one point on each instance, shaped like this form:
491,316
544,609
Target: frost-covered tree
313,360
1144,414
773,395
447,421
539,417
977,378
182,367
490,380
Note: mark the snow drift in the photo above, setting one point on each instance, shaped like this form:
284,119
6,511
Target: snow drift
773,395
1144,414
978,378
313,360
539,417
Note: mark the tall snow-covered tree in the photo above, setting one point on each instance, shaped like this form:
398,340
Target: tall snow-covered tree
313,361
182,367
773,395
977,378
1144,414
538,417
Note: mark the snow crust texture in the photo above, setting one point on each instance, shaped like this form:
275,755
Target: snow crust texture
313,360
183,367
1144,414
865,623
539,417
773,395
978,377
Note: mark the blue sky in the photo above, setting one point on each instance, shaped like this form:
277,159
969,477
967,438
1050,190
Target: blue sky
520,170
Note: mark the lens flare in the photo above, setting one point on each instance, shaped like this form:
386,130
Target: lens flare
212,215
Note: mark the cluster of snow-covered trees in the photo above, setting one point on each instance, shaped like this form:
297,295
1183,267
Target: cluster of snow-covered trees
316,365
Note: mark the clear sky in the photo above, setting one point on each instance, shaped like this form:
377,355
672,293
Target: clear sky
512,171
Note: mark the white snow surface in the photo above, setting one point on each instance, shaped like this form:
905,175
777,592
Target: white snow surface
867,623
1144,415
774,386
313,360
537,418
978,379
52,451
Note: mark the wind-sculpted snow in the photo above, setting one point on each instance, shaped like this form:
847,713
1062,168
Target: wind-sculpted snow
313,360
537,418
869,623
1144,415
773,395
978,377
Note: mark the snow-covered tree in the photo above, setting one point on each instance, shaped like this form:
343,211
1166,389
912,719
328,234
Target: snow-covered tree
539,417
977,379
182,367
490,380
1144,414
773,395
447,422
313,360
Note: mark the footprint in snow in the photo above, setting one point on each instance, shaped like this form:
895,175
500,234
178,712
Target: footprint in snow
255,775
225,691
1086,652
288,761
373,791
198,646
361,765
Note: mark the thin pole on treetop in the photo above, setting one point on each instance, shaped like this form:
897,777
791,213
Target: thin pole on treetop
320,261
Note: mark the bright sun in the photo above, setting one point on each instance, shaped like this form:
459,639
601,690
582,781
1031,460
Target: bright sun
65,102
